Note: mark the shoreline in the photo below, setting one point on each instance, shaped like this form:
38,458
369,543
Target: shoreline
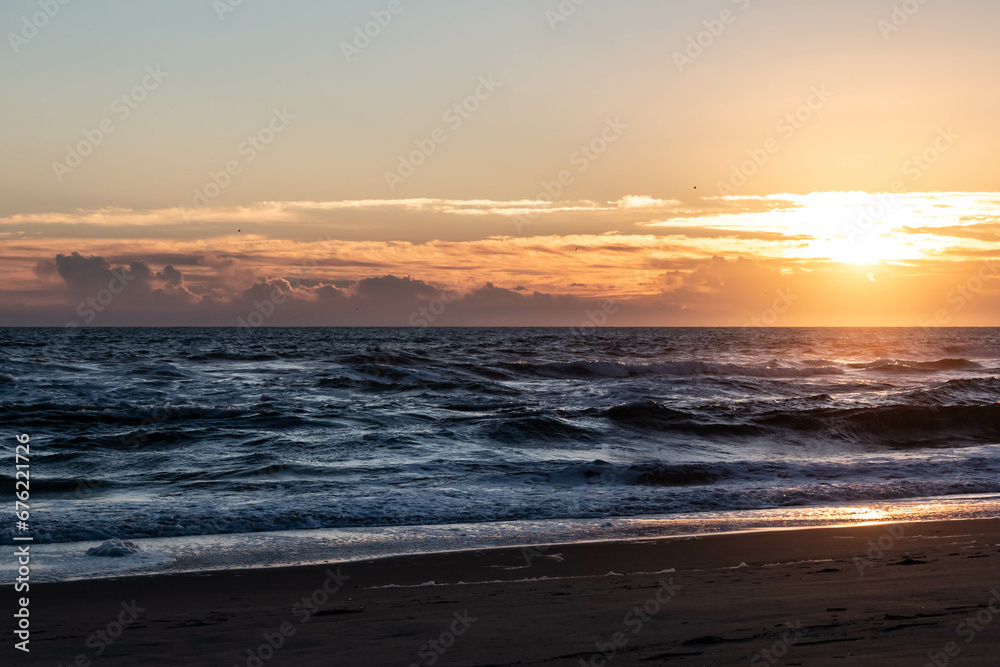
66,561
464,550
554,604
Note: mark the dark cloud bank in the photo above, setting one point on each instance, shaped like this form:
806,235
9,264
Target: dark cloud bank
99,293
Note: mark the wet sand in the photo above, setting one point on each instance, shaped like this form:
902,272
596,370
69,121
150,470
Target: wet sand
900,594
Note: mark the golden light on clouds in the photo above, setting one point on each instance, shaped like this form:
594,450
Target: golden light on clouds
883,255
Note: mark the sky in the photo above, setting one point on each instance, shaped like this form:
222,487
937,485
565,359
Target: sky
499,162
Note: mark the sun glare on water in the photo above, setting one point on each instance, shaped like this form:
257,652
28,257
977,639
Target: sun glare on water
869,514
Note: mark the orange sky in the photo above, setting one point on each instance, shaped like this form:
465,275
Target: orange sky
832,258
663,163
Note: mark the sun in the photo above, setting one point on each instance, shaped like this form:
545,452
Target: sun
861,229
872,251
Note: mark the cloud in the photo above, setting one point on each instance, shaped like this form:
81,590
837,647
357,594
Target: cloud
415,220
46,269
665,263
391,288
171,276
713,291
86,276
637,201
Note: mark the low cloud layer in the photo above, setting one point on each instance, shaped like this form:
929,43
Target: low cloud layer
797,260
99,293
92,291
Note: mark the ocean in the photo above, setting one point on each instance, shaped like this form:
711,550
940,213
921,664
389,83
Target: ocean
249,447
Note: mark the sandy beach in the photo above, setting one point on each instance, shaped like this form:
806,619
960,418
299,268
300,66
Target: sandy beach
552,333
890,594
